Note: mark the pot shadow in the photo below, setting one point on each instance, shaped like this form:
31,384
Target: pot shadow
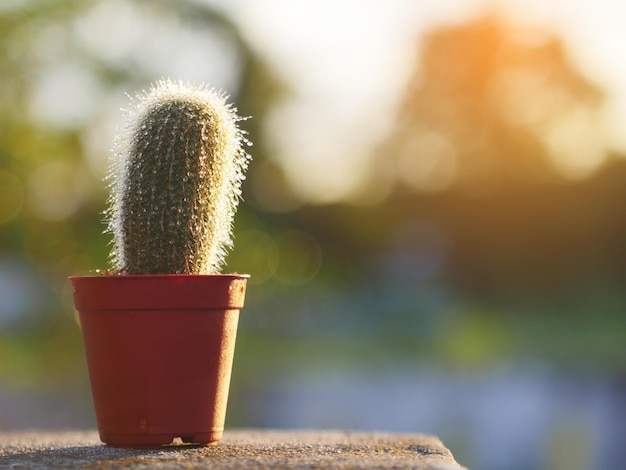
94,456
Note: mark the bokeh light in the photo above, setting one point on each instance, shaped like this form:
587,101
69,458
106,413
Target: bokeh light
295,258
11,196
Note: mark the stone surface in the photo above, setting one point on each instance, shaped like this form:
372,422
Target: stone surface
238,449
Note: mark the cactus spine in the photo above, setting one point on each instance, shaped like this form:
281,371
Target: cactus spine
176,181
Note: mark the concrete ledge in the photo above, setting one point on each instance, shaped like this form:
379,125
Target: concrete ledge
238,449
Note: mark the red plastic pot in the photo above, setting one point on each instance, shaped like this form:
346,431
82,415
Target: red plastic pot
159,351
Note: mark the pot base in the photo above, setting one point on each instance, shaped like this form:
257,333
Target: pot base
154,441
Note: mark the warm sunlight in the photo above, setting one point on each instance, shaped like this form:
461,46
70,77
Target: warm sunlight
348,80
432,222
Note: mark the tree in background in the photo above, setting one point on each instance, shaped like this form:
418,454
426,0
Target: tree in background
490,103
499,141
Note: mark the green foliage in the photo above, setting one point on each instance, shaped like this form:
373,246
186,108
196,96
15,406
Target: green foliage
176,182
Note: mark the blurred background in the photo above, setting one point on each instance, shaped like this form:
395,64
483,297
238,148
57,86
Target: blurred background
433,220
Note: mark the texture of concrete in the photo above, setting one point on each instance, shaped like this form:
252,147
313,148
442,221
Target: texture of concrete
262,449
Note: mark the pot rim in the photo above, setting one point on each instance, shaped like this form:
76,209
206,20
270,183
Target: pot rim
105,275
159,291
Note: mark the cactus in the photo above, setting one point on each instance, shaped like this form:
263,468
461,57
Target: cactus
175,181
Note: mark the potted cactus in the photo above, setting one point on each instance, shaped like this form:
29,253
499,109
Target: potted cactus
159,328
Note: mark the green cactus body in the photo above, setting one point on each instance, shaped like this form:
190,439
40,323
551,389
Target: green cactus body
176,182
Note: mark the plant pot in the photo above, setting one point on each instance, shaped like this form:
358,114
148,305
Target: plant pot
159,352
